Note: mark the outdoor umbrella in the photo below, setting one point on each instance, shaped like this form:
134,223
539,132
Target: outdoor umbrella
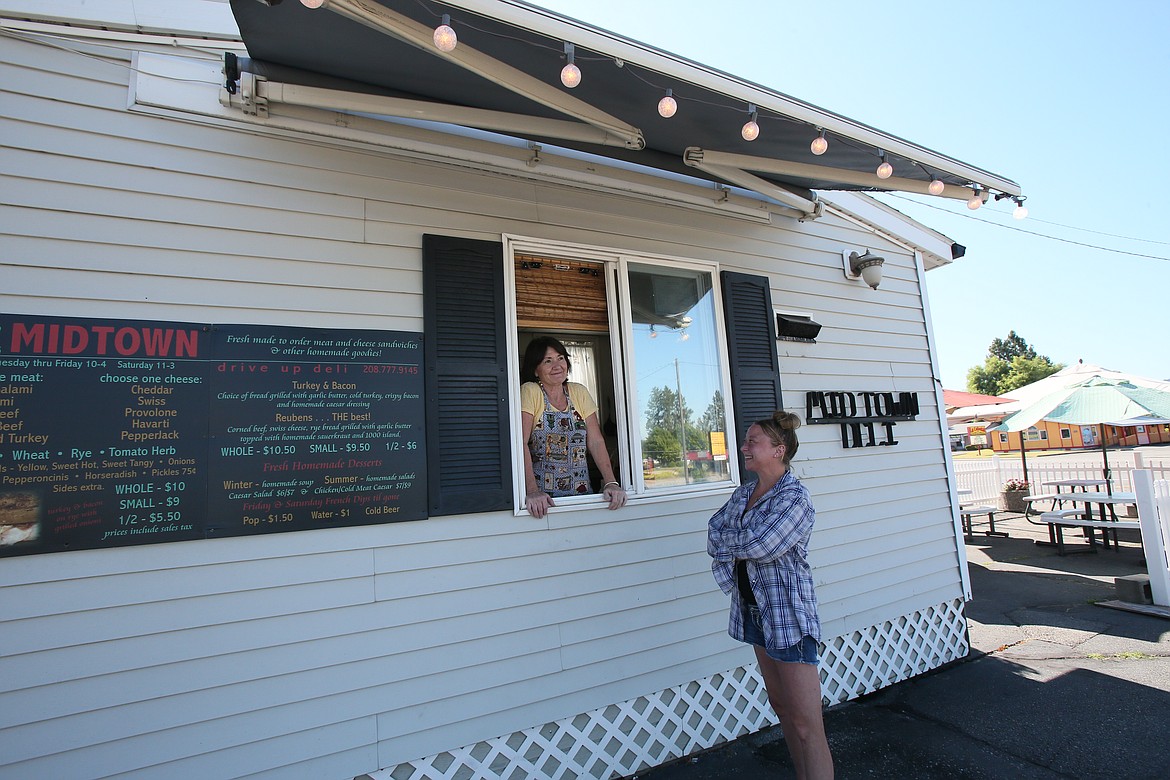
1095,401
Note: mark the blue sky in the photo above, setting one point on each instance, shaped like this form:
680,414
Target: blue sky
1069,98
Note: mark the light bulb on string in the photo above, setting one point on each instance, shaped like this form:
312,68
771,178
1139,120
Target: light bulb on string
1020,211
820,144
668,106
885,170
751,129
445,37
936,187
653,333
570,74
975,201
312,3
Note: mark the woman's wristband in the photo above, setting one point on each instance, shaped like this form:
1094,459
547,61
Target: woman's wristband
607,484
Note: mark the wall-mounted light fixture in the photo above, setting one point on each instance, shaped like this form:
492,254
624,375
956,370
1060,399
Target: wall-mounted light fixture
864,265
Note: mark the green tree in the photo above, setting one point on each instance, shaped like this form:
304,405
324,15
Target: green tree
1011,363
663,409
669,425
1025,371
714,419
1012,347
985,378
663,446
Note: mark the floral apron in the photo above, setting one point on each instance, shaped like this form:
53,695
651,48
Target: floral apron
558,446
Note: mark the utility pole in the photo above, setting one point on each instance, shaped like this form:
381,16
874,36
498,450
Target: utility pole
681,421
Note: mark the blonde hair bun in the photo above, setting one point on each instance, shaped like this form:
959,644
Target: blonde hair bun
786,420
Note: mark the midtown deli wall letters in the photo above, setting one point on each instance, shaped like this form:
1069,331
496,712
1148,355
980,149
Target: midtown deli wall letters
867,419
115,433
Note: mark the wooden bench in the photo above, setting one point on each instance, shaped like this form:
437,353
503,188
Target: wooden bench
1060,519
965,513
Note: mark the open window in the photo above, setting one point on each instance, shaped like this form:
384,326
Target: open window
644,335
674,351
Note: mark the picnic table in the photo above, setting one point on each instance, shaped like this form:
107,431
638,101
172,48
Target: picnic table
1073,484
1091,502
1102,501
968,510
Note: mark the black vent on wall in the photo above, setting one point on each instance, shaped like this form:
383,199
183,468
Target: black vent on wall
796,327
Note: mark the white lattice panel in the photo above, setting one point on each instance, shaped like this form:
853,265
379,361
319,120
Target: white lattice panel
865,661
622,739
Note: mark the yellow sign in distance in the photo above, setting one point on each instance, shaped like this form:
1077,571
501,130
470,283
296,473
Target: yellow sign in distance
718,445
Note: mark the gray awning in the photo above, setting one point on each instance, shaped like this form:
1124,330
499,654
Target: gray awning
507,67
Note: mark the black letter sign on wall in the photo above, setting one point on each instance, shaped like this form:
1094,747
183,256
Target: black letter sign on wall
867,419
751,347
469,467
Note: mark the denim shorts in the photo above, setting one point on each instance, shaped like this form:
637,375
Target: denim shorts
803,652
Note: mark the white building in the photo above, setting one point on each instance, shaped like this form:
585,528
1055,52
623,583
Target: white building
474,639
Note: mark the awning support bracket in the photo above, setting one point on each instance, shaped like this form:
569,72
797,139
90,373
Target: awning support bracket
808,208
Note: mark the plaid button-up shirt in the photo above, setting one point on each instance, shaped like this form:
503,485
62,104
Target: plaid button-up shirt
772,537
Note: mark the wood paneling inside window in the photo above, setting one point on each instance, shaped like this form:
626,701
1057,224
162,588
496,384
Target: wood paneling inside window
560,294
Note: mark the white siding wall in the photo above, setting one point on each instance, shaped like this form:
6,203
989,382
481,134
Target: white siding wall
327,654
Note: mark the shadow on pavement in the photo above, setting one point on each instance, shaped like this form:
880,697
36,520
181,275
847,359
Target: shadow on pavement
1055,686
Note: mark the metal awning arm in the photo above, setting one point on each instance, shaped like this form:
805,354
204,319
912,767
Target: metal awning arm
819,172
496,121
380,18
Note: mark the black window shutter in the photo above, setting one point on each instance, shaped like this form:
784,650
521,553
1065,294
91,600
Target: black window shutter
469,464
751,347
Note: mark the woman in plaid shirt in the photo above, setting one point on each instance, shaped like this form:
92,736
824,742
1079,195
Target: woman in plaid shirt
758,543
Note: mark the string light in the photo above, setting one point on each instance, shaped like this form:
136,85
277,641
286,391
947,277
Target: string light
820,144
570,74
445,37
751,129
668,105
446,40
653,333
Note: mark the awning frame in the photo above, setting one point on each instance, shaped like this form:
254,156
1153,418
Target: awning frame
518,104
386,21
258,90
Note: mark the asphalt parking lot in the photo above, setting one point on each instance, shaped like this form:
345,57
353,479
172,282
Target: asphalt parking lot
1056,685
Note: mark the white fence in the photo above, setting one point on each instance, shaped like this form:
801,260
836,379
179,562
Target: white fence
985,478
1153,503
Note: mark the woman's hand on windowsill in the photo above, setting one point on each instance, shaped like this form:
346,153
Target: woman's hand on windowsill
615,495
537,504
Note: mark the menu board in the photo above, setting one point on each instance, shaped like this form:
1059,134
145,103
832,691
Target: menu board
116,433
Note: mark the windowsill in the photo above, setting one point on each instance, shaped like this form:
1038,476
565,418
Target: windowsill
594,501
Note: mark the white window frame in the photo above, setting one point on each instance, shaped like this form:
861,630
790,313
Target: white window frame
616,263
